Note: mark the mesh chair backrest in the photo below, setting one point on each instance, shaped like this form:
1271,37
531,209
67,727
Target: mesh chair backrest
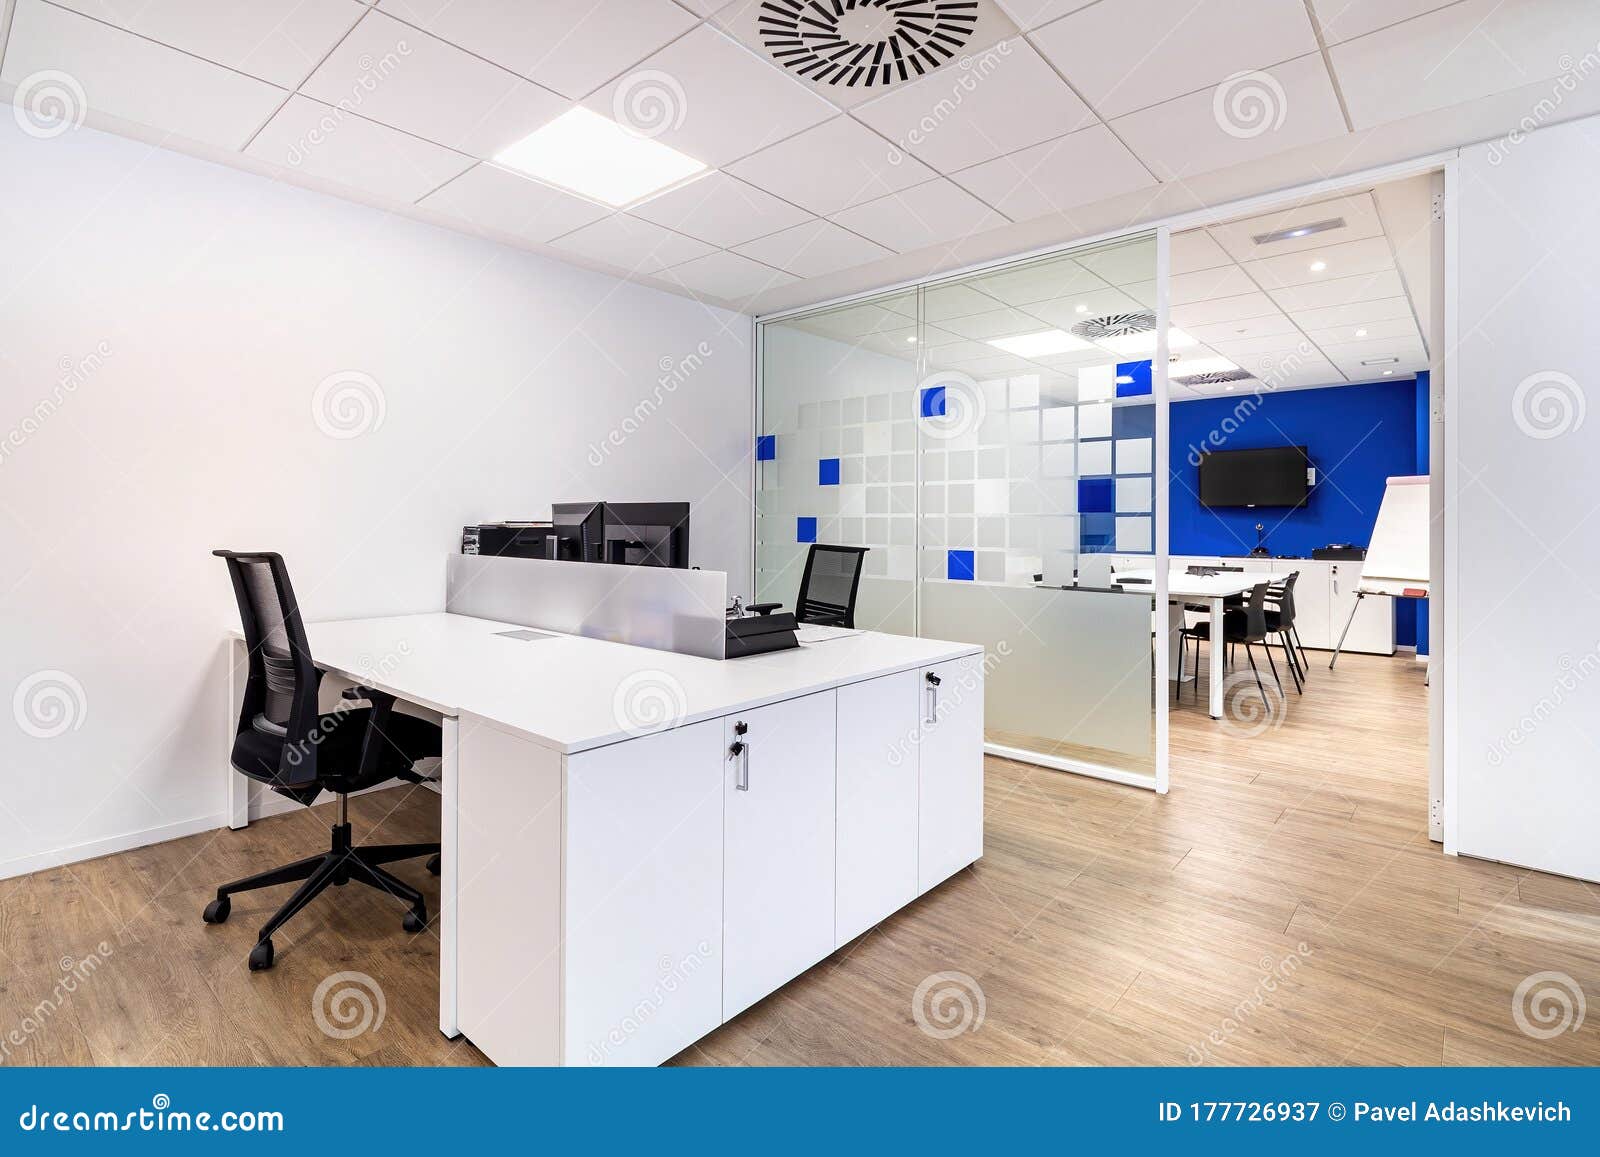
281,688
828,587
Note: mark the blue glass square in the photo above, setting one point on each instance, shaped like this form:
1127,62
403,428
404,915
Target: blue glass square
1133,379
960,565
805,530
1097,533
766,447
1133,422
1096,495
827,471
933,402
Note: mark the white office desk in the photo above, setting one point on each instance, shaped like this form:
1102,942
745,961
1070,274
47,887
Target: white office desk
1212,591
599,851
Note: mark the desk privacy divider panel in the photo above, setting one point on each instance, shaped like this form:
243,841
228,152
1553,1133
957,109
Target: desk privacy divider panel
665,609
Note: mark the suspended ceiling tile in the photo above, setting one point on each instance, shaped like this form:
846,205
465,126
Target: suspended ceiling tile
712,98
629,243
1057,175
837,164
722,210
391,73
1350,259
1355,314
335,146
279,41
1005,99
1281,108
1223,309
1390,330
813,249
936,213
727,276
1460,53
123,75
1272,325
1339,291
567,47
1136,53
494,198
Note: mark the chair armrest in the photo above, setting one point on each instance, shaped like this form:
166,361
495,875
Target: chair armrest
371,743
763,608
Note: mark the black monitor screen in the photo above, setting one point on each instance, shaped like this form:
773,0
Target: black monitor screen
1275,476
647,534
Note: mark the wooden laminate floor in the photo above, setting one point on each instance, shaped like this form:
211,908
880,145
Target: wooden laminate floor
1281,906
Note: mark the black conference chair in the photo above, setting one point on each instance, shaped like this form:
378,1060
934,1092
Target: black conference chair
1280,622
284,742
828,586
1247,625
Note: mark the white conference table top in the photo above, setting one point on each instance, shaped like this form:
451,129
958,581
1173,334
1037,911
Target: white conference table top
571,693
1182,585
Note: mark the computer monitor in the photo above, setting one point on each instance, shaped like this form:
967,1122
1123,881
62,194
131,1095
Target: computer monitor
578,529
647,534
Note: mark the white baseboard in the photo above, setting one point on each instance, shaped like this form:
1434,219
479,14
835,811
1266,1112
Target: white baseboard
93,849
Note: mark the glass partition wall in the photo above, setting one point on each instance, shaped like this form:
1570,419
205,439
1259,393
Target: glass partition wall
992,439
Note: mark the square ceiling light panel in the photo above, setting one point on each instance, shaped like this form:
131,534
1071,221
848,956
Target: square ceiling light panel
595,157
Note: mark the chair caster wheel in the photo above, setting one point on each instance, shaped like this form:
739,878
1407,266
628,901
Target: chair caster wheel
433,863
261,956
415,921
217,911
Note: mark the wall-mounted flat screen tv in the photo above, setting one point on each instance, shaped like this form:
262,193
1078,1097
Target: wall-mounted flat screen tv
1274,476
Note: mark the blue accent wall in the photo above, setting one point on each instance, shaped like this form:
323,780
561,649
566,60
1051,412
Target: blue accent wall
1356,436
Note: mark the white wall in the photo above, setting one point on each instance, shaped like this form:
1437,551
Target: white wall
192,311
1527,496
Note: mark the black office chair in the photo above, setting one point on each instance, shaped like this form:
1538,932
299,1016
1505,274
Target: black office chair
1247,625
1280,622
828,586
284,742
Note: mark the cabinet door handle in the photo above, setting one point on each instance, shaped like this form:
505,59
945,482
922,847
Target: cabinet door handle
741,751
933,704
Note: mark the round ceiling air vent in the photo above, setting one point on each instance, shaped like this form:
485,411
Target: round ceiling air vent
1115,325
1218,378
865,43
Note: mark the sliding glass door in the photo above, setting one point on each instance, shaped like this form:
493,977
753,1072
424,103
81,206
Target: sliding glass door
992,440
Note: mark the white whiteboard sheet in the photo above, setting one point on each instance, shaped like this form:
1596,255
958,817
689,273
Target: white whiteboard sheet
1399,547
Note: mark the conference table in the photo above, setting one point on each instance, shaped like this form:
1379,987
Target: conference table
1211,591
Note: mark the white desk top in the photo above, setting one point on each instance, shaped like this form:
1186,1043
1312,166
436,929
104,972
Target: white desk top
571,693
1182,585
